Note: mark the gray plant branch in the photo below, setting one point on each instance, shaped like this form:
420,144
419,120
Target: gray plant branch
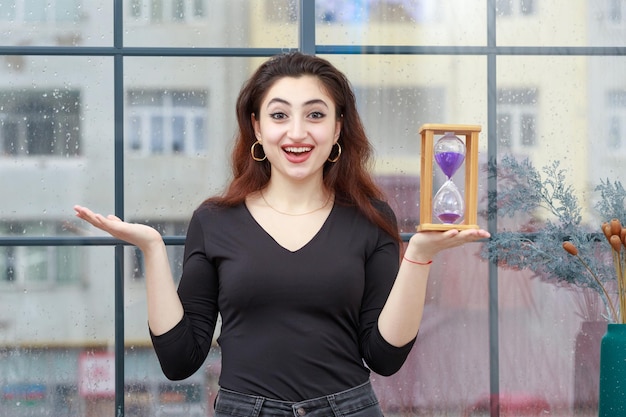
543,211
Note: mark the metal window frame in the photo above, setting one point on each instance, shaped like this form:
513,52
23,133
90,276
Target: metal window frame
306,30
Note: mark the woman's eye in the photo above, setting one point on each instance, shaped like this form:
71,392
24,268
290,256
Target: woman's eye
278,115
317,115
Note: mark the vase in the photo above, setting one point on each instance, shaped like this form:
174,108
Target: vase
612,398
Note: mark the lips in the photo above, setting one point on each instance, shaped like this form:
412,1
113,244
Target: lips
297,154
297,149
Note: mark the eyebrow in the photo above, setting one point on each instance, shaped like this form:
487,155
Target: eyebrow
307,103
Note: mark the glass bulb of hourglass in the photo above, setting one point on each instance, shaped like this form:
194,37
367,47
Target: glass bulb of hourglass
448,203
449,153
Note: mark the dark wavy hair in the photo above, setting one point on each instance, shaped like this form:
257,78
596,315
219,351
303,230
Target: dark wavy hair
348,178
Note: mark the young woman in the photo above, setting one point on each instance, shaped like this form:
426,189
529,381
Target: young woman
300,256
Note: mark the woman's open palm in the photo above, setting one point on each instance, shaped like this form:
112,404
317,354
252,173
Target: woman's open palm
136,234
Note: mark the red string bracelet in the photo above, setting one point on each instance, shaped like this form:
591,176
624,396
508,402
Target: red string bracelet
417,263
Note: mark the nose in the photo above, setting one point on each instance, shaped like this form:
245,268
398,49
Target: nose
297,129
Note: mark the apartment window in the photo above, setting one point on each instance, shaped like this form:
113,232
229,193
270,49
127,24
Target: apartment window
160,11
38,265
174,253
167,122
40,11
616,110
40,123
517,119
515,7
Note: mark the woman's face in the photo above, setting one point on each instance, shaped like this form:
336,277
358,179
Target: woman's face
297,126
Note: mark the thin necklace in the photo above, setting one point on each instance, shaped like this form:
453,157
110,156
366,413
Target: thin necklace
296,214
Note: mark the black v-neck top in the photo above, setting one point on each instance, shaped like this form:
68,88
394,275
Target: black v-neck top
295,325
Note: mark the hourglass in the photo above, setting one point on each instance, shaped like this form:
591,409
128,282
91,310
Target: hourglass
451,207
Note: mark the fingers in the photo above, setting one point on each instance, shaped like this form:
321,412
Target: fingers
474,234
457,238
95,219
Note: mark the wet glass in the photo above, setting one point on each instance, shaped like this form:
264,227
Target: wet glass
582,135
187,124
204,23
400,22
57,312
560,23
56,337
56,142
60,23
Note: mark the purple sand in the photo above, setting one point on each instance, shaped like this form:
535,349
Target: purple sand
449,218
449,162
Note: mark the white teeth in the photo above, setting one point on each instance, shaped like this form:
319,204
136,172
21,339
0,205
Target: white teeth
294,149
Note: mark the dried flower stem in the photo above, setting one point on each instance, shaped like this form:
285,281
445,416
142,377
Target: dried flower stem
621,279
614,232
572,250
620,285
606,294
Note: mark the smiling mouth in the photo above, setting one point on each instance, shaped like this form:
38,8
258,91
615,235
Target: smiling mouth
297,150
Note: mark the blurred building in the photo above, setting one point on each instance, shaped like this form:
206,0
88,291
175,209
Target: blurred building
57,130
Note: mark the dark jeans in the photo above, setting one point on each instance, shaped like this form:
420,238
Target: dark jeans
356,402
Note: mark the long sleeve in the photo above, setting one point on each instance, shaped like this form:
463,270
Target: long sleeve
381,269
183,349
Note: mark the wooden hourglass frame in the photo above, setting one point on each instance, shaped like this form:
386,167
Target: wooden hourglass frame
470,217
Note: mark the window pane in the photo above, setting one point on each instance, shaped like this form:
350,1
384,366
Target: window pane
196,164
56,140
559,23
580,134
56,23
406,22
187,23
55,366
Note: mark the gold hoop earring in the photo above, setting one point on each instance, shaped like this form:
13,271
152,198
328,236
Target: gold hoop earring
335,159
252,152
